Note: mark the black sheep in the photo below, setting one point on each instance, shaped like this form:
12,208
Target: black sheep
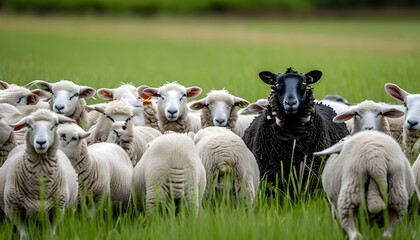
292,127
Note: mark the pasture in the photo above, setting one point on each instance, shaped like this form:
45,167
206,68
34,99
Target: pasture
357,57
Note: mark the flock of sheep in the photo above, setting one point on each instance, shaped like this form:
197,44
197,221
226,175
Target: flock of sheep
148,145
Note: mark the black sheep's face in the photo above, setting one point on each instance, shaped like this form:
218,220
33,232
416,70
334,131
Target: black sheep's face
290,88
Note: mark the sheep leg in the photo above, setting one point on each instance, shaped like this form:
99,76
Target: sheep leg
348,200
150,199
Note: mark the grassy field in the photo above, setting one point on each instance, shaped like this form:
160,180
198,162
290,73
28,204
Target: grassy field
357,56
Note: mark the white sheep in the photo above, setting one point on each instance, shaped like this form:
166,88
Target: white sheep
219,109
411,124
368,115
144,111
37,176
172,108
104,169
226,158
115,126
169,169
68,99
365,156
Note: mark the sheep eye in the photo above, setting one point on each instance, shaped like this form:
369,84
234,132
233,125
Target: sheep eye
110,118
160,96
73,139
74,95
19,100
28,126
54,126
405,105
379,114
357,115
63,136
183,96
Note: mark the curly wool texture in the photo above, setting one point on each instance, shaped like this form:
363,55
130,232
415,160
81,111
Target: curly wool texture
279,141
150,116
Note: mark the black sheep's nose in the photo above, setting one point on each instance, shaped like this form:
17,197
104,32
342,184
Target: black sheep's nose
291,102
40,143
412,123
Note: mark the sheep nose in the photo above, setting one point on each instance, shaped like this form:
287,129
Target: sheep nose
291,102
368,128
58,107
40,143
412,123
172,112
220,121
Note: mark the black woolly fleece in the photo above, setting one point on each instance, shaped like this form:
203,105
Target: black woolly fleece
272,143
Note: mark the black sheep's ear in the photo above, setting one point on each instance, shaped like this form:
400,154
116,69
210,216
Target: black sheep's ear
313,76
268,77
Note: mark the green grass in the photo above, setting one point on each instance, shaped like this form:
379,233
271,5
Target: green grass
356,56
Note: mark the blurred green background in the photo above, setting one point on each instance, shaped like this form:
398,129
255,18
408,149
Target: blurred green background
195,6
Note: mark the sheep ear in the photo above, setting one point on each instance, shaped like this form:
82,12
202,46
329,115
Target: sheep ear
4,84
198,104
46,86
148,92
41,93
268,77
313,76
392,112
20,124
32,99
396,92
140,92
105,93
84,135
256,108
63,119
336,148
344,116
193,92
240,102
86,92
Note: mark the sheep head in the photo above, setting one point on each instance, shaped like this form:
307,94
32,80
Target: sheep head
65,95
411,104
222,106
41,129
171,99
290,88
368,115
